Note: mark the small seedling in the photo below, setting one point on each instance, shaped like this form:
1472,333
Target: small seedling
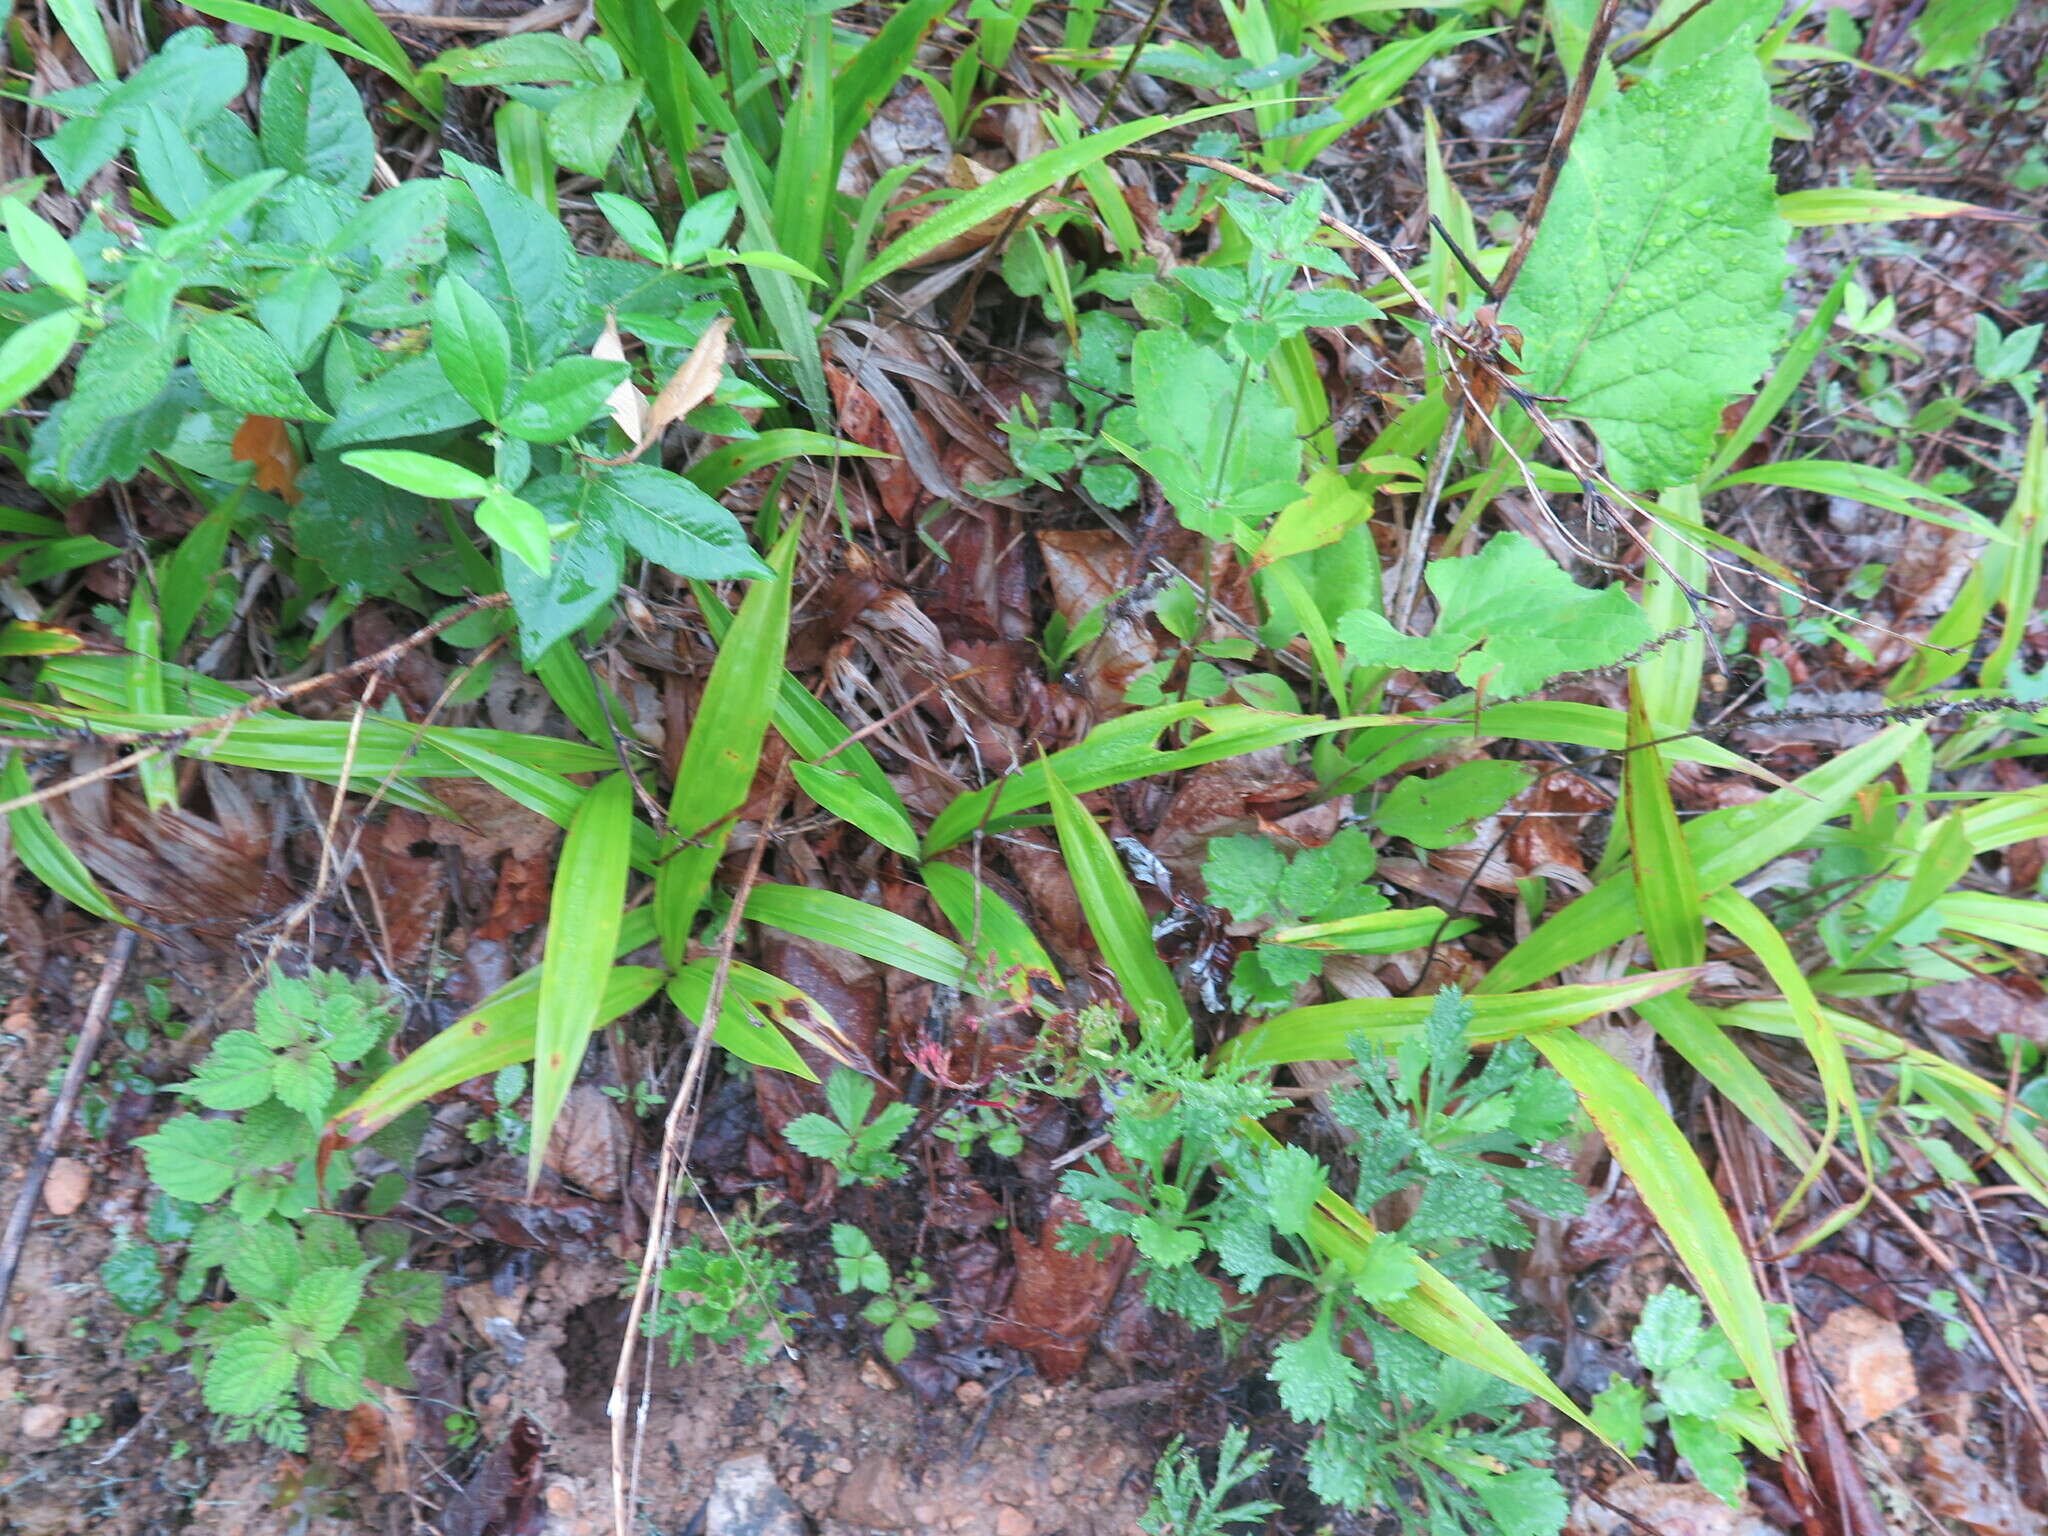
969,1124
724,1295
504,1124
320,1304
82,1427
1693,1389
898,1307
848,1140
641,1098
1185,1503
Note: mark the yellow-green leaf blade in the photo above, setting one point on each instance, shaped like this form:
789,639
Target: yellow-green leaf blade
585,912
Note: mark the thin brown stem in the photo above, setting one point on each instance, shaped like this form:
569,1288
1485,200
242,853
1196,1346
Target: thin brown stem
1560,146
89,1035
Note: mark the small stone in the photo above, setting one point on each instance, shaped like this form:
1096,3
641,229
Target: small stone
969,1394
841,1465
747,1501
1866,1358
65,1188
43,1421
924,1514
1060,1485
874,1377
1011,1521
872,1496
1638,1501
561,1500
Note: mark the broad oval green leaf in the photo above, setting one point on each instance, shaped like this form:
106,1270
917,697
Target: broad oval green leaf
516,527
1651,295
241,366
420,473
34,352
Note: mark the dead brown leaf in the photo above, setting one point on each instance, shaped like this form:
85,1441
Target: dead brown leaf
1959,1487
1060,1298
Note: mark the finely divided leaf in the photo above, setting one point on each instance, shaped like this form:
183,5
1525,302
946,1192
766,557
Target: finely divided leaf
1651,296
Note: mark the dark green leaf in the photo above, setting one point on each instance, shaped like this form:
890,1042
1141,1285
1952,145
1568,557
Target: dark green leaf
413,399
562,399
363,534
521,260
472,346
241,366
313,121
674,524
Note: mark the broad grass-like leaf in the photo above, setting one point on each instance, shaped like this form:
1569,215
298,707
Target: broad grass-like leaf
1668,680
874,932
1666,1172
1017,185
1874,486
1814,206
81,22
1127,748
757,1014
1980,1110
1667,887
426,89
46,855
724,748
1383,749
729,463
1785,378
2013,572
1746,921
868,78
1117,918
1725,846
497,1033
1697,1035
1377,933
842,792
585,911
1650,298
1004,953
1323,1031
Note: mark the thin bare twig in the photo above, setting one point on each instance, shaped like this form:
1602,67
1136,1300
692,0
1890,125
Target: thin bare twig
1560,146
52,1136
678,1134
